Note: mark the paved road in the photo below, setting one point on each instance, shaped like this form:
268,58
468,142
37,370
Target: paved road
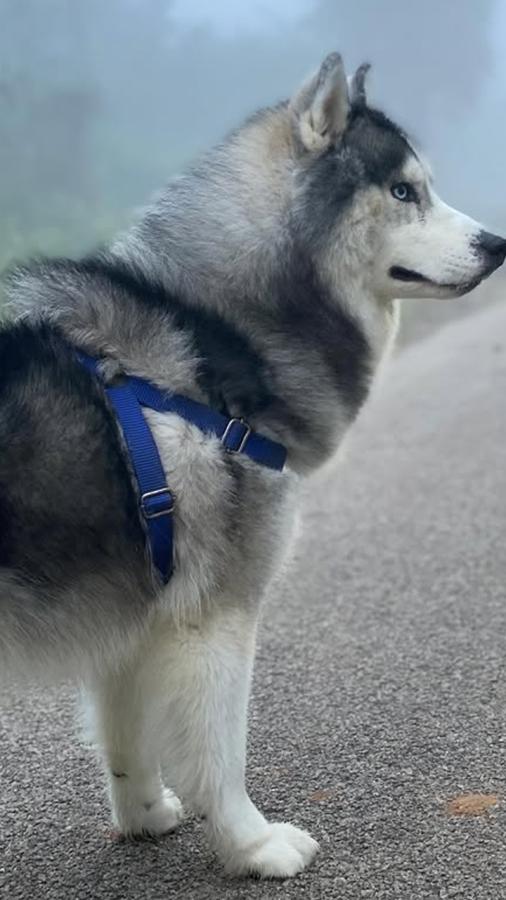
380,691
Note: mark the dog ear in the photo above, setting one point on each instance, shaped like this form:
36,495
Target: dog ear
358,95
321,107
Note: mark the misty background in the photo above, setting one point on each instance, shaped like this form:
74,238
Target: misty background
100,102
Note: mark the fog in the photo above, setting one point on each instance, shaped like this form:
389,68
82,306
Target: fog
101,101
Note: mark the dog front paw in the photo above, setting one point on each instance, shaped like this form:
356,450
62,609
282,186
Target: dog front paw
152,819
282,852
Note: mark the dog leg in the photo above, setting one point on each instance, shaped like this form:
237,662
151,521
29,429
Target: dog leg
207,672
124,729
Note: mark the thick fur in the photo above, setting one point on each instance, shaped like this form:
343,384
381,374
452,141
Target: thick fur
263,283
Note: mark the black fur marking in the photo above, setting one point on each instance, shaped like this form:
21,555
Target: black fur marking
231,373
233,376
380,145
67,503
372,151
330,185
315,320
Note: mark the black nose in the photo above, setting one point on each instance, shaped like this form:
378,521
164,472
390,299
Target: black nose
493,245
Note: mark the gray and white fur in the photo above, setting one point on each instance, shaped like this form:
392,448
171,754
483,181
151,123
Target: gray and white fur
263,283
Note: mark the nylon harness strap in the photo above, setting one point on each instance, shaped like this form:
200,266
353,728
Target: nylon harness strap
156,499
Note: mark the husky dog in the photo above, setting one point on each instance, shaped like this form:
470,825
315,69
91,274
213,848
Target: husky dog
261,283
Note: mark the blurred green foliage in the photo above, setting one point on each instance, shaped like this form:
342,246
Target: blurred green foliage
71,163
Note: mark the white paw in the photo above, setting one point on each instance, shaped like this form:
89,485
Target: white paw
154,819
282,853
164,815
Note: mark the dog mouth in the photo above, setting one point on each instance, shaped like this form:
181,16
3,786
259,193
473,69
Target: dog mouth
402,274
399,273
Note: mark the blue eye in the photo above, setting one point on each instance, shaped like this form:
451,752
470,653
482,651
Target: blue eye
402,191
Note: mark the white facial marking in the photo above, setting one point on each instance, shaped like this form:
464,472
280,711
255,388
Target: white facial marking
428,238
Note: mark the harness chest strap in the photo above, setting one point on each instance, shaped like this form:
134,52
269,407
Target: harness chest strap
156,499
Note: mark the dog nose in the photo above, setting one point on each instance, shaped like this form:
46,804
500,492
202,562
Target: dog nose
493,245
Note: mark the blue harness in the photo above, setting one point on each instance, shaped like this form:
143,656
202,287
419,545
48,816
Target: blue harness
156,499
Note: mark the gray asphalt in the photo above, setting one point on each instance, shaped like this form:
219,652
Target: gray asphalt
380,689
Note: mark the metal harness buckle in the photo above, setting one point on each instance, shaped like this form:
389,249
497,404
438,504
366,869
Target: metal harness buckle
242,443
157,510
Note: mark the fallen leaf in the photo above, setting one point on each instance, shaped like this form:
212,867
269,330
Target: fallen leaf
320,796
471,804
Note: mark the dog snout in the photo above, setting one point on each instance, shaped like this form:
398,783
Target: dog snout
493,247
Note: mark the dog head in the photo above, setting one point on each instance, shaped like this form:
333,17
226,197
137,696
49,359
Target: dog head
366,199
